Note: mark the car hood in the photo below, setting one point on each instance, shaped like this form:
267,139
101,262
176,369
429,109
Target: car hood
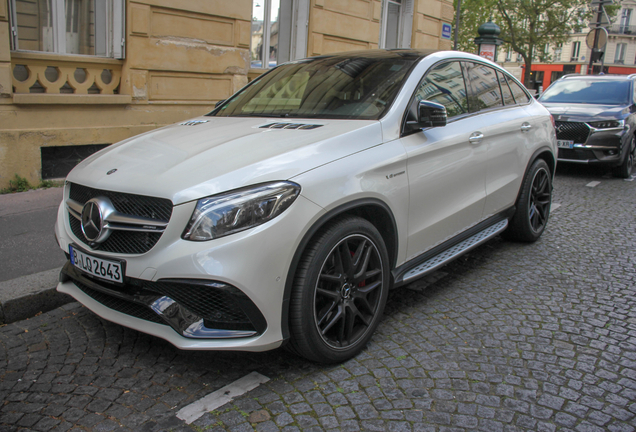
190,160
585,112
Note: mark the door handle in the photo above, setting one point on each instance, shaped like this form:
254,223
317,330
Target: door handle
526,127
476,138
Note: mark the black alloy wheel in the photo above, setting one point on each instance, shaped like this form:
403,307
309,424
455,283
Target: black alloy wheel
625,169
348,291
533,204
540,200
339,292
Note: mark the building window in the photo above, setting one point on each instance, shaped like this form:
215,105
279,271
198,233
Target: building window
619,56
279,31
88,27
557,52
576,47
397,24
626,16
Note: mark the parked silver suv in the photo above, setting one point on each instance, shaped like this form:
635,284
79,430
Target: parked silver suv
285,215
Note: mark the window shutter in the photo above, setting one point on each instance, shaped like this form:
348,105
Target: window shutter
407,23
119,29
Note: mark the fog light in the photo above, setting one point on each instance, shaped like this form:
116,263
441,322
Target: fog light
611,152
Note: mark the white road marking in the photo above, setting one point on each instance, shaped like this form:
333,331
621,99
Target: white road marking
593,184
554,206
220,397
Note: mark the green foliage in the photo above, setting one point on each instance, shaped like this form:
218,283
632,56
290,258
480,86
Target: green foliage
20,184
526,25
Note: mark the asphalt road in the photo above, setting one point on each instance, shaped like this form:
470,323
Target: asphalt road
27,240
510,337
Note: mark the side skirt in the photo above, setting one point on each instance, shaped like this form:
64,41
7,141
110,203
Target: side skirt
452,249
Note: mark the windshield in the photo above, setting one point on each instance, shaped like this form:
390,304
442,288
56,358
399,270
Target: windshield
332,87
588,91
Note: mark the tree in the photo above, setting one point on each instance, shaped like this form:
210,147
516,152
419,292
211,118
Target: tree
526,25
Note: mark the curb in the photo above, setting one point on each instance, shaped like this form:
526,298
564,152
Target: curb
27,296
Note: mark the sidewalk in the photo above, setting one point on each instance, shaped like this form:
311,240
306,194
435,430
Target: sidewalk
31,259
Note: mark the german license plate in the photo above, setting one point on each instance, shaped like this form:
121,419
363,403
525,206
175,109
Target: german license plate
109,270
568,144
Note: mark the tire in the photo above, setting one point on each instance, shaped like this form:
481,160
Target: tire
625,169
339,292
533,204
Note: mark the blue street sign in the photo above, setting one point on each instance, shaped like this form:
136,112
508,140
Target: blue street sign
446,31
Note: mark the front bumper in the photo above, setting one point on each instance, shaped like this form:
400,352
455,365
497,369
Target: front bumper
248,269
600,146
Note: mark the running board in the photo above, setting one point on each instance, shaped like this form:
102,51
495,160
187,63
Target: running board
453,252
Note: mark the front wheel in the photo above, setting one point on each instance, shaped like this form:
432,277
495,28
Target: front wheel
533,204
625,169
339,291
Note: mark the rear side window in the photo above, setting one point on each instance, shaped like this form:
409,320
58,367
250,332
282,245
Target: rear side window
506,93
484,87
519,94
444,84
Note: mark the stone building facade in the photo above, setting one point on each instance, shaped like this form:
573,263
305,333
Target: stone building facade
78,75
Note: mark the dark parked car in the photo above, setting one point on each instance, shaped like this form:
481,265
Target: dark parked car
595,117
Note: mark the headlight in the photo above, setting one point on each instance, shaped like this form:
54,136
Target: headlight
235,211
607,124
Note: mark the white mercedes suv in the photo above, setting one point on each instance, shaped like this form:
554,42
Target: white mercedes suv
284,216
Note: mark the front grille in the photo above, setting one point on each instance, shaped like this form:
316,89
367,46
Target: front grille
217,306
571,131
120,305
125,242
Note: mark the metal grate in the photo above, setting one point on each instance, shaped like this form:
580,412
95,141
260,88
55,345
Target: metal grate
571,131
125,242
136,205
212,304
120,305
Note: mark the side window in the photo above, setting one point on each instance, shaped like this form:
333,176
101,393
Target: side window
520,95
484,87
505,90
444,84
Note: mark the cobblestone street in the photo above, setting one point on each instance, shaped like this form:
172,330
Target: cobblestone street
511,337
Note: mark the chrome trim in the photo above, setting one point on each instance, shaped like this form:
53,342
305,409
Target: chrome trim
594,147
119,221
193,122
614,129
573,160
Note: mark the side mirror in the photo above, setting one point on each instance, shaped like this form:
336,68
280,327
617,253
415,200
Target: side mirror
219,103
431,114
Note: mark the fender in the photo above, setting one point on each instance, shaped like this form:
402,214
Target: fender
349,207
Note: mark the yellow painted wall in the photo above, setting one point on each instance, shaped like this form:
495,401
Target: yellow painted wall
336,25
181,58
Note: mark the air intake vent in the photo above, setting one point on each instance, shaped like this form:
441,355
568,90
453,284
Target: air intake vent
290,126
193,122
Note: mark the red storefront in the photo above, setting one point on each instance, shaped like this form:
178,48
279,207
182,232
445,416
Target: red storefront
544,74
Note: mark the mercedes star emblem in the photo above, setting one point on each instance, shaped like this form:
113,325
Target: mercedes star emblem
94,219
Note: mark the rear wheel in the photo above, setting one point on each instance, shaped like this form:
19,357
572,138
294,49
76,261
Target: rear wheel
533,204
339,291
625,169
